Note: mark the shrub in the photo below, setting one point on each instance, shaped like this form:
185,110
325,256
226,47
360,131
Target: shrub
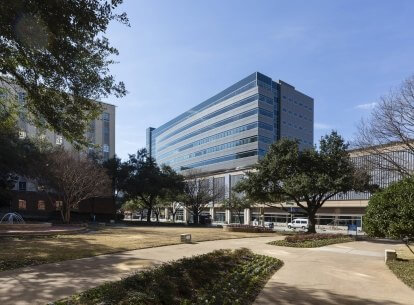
246,228
311,240
220,277
390,212
315,236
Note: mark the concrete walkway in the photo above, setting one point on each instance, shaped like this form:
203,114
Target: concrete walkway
351,273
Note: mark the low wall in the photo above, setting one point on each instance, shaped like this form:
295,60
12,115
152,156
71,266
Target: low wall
24,226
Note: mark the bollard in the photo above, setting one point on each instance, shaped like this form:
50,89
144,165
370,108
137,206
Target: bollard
390,255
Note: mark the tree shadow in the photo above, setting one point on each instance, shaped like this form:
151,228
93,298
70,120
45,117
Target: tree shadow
278,293
409,248
382,241
53,281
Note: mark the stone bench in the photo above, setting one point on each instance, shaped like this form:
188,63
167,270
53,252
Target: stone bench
185,238
390,255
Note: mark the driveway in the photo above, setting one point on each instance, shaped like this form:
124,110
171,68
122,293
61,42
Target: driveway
351,273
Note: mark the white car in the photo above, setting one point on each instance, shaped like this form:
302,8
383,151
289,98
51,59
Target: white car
299,223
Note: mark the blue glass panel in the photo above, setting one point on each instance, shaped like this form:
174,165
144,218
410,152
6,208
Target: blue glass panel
214,137
211,127
233,106
239,87
218,148
239,155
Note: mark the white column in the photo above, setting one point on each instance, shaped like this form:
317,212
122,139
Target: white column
212,214
227,185
247,216
228,216
186,215
167,214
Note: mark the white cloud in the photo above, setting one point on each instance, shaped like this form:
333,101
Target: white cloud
367,106
321,126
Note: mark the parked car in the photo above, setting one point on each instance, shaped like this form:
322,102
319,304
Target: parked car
299,223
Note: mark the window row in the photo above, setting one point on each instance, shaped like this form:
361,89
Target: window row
297,115
210,102
233,106
58,139
298,103
214,137
41,205
293,125
264,85
231,157
265,99
221,147
266,113
301,141
211,127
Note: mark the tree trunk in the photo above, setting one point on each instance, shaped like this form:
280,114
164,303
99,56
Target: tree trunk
66,218
149,215
312,222
195,217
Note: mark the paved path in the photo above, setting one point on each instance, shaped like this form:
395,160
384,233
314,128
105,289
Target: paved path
351,273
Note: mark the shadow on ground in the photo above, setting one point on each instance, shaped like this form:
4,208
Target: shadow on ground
292,295
56,281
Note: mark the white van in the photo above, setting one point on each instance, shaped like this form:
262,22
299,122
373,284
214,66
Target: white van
301,223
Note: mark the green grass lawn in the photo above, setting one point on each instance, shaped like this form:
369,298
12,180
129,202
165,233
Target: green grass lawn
403,267
311,240
222,277
29,251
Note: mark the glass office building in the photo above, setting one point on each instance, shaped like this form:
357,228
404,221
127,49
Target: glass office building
234,128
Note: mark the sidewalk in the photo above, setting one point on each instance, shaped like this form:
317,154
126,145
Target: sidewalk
351,273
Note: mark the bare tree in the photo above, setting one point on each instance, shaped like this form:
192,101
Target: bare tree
236,203
73,178
173,208
198,193
387,136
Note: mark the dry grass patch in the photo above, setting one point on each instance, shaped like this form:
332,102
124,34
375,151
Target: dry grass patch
403,267
26,251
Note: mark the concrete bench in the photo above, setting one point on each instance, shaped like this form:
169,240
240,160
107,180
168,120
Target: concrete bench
390,255
185,238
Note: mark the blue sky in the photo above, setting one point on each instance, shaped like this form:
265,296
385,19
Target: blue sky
176,54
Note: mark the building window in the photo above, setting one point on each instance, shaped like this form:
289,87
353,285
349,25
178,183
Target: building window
75,207
21,97
105,116
22,186
219,217
106,132
22,134
59,140
105,148
41,205
22,204
91,132
58,205
179,215
219,189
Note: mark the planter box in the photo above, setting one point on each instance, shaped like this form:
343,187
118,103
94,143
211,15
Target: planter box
247,229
